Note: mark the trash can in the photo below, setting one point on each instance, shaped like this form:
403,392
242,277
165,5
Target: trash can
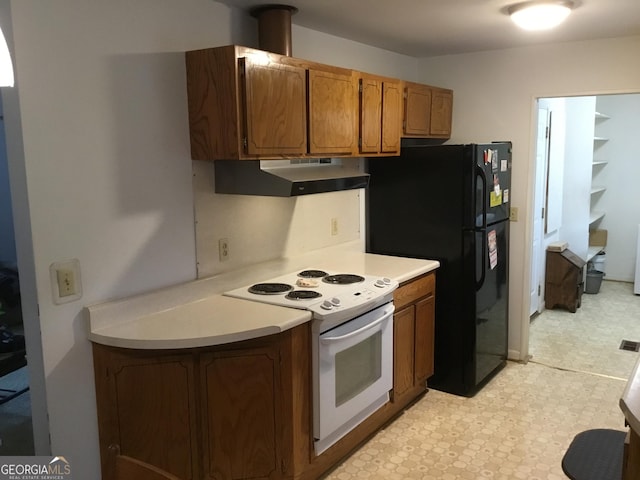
594,280
598,262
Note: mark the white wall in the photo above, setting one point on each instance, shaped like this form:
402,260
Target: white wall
494,98
621,199
576,187
99,151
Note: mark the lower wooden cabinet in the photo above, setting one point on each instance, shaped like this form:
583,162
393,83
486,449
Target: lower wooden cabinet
414,323
221,413
241,408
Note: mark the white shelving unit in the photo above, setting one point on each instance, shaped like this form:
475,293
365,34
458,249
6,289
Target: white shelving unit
597,191
597,164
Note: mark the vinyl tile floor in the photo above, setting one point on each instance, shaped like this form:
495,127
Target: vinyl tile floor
521,423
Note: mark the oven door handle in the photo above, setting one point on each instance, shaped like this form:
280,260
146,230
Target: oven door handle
368,326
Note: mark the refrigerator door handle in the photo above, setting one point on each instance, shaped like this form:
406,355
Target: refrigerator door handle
480,282
483,177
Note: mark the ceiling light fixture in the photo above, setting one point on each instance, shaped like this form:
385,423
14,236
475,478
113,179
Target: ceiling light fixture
540,15
6,67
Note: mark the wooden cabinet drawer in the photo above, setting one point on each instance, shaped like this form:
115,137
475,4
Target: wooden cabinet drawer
411,291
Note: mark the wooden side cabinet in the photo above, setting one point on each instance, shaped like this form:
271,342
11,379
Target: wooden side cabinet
414,324
563,280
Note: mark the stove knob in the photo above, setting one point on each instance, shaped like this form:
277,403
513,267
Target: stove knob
335,301
327,305
386,280
380,283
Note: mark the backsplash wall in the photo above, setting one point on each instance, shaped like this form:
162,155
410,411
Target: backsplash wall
265,228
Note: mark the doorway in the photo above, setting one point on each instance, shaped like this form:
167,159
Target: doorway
16,431
584,173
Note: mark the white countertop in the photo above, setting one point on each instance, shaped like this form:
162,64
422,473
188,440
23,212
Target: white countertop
630,400
195,314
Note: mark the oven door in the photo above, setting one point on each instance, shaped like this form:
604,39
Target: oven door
354,374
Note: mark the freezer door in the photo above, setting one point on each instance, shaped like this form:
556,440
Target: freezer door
492,182
492,254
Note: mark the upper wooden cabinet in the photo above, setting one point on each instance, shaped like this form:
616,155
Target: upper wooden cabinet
427,111
280,90
251,104
380,115
247,104
441,111
333,117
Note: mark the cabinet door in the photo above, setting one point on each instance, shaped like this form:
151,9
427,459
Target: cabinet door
417,111
424,340
370,115
241,402
403,350
441,110
275,108
333,100
147,411
391,117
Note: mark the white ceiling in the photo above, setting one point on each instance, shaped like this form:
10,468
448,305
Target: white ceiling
425,28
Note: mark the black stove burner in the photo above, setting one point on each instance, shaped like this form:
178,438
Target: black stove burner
302,295
269,288
343,279
312,274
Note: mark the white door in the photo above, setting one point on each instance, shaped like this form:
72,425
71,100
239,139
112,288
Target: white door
537,248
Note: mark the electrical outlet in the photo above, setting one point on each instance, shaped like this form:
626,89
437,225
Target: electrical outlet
223,249
334,226
513,214
66,282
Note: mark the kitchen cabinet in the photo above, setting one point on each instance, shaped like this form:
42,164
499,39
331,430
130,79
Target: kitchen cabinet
281,91
242,413
227,412
414,324
332,112
147,410
427,111
245,103
380,115
250,104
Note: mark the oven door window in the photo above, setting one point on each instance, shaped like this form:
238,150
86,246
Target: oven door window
357,368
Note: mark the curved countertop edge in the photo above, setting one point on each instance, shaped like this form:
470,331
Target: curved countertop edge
630,400
196,314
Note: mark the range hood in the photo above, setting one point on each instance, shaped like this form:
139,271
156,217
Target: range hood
284,178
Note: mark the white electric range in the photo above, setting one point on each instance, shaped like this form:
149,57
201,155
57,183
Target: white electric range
352,342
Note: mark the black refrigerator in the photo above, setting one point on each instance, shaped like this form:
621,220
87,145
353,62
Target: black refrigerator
451,203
